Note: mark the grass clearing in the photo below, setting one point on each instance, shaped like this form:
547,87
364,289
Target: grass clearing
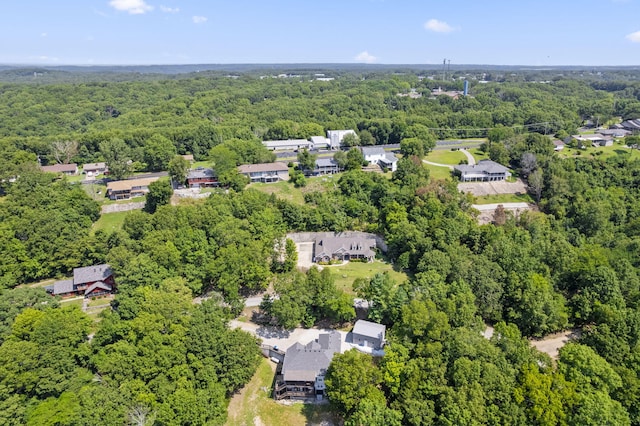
253,405
72,302
478,154
446,156
437,172
286,191
602,152
110,221
346,274
504,198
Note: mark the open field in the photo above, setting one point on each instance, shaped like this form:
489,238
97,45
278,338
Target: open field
253,405
446,156
110,221
602,152
437,172
346,274
286,191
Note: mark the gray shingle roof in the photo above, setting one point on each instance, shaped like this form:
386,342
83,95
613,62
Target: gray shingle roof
487,166
369,329
91,273
326,162
62,287
100,285
354,246
302,363
201,173
372,150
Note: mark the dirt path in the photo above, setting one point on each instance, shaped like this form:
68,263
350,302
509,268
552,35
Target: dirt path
552,343
450,167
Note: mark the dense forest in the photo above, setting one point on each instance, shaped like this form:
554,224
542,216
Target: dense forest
157,358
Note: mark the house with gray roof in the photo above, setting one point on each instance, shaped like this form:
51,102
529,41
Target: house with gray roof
65,169
344,248
89,281
202,178
484,171
320,142
304,368
325,166
265,172
369,334
631,125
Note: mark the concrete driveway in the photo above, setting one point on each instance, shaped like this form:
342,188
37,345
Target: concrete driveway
305,254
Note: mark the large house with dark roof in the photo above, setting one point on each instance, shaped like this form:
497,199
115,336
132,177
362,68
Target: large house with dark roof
344,248
304,368
324,166
89,281
484,171
129,188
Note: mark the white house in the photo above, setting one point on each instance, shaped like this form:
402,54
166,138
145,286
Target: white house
373,154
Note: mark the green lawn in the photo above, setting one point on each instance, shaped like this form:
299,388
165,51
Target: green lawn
72,302
479,155
504,198
110,221
437,172
346,274
254,405
287,191
446,156
600,152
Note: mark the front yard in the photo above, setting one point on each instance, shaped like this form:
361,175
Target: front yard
347,273
253,405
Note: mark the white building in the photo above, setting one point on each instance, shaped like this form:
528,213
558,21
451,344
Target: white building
336,136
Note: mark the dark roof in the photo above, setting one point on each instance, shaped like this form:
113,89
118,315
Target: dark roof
89,167
201,173
369,329
486,166
60,168
100,285
91,274
62,287
372,150
390,157
326,162
356,245
302,363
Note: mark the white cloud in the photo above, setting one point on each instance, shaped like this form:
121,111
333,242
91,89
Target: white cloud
438,26
134,7
365,57
199,19
634,37
166,9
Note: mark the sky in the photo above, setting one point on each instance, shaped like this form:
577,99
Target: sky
495,32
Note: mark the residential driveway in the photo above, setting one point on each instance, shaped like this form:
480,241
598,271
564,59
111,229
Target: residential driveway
553,343
305,254
493,188
283,339
470,159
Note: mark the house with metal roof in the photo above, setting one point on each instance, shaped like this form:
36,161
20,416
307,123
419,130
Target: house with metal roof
287,145
320,142
631,125
304,368
265,172
89,281
484,171
369,334
344,248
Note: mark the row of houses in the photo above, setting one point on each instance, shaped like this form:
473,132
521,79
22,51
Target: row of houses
72,169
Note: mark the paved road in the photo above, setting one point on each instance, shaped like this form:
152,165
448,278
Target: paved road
449,166
470,160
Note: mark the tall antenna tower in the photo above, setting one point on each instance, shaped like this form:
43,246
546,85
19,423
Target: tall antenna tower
444,69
